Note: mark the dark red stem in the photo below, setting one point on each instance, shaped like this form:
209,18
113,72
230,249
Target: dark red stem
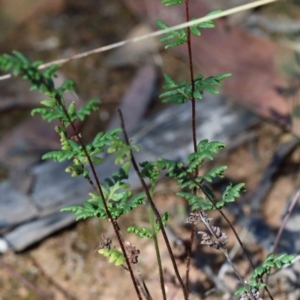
113,221
189,44
150,200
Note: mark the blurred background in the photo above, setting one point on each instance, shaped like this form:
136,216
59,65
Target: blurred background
48,256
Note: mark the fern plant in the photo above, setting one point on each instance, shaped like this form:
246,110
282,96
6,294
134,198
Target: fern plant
102,202
112,199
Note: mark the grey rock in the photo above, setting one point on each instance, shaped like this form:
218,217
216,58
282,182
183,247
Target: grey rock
34,231
15,207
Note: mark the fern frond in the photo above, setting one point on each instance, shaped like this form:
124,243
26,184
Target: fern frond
171,2
50,114
179,37
59,155
91,105
177,93
94,207
210,83
205,25
215,172
270,262
233,192
196,202
204,151
164,219
140,231
115,256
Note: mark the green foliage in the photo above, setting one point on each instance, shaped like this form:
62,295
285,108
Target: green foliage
94,207
204,25
144,232
265,268
50,114
205,202
152,170
176,170
19,64
115,256
116,198
113,144
180,93
171,2
208,84
67,85
121,149
187,181
53,111
179,37
204,151
175,37
59,155
196,202
213,173
42,80
232,192
164,219
77,170
114,194
271,262
72,150
85,110
140,231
